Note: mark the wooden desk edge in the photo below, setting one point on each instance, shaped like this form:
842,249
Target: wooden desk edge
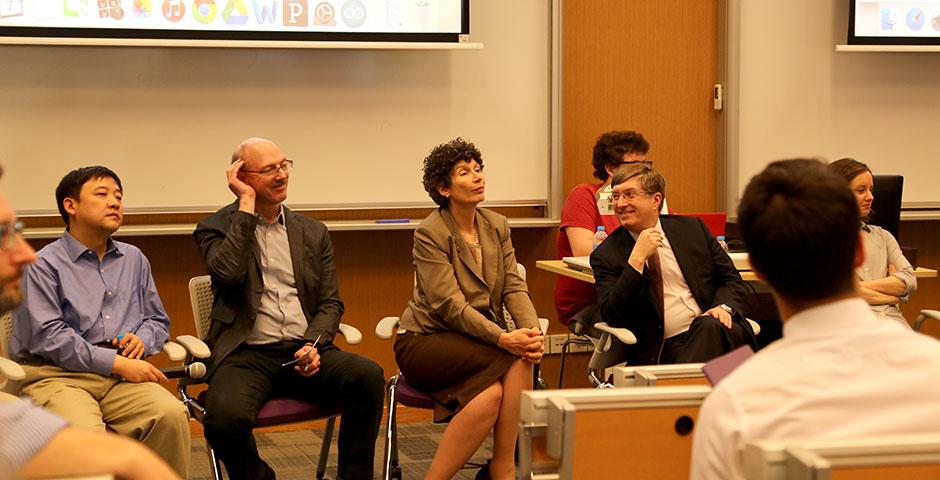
559,267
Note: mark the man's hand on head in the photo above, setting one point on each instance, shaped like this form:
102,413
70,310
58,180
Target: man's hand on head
647,242
244,192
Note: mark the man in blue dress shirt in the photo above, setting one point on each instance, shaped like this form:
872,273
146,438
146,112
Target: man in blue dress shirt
90,316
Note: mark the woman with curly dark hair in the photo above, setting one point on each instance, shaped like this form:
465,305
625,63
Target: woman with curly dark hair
456,343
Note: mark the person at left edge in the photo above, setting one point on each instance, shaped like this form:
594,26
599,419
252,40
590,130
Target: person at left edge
85,290
275,293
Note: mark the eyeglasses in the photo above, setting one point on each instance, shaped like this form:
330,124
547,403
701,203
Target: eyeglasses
8,233
628,195
273,169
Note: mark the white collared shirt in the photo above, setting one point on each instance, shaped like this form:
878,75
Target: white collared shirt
679,306
838,372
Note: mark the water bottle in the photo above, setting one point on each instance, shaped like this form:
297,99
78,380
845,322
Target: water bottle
723,243
599,236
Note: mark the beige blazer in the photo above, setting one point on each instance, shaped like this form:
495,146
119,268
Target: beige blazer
451,293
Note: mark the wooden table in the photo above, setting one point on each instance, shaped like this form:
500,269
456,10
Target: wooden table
561,268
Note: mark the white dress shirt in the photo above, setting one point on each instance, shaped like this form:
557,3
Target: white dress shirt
838,372
679,306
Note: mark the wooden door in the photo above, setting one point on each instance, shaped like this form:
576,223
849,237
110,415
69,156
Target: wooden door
649,66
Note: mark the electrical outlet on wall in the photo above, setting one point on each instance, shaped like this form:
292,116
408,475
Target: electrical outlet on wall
555,341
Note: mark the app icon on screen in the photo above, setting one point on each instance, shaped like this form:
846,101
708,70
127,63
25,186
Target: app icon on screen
110,8
265,11
235,12
935,20
11,8
295,13
915,19
353,13
889,17
142,9
75,8
324,14
173,10
205,11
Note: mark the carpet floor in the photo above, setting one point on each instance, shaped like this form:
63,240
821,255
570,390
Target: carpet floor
293,454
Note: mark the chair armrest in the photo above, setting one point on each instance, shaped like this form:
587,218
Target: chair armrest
11,374
175,351
543,325
622,334
386,327
924,316
351,333
196,347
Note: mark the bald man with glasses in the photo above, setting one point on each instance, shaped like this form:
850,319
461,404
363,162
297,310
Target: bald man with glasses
277,300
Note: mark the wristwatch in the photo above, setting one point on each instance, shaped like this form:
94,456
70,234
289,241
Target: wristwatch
726,308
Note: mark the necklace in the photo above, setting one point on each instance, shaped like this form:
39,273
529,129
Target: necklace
476,236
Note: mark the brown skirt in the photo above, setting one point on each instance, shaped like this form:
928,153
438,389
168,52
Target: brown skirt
452,368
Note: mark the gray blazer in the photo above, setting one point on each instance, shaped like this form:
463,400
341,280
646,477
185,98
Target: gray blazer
452,293
226,240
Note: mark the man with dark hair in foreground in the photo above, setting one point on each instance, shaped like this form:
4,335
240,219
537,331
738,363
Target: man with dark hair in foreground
90,316
35,443
838,372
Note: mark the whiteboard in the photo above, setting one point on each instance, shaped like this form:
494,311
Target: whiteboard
794,95
358,123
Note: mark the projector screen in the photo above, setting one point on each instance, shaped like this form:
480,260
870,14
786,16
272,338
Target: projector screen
873,22
297,20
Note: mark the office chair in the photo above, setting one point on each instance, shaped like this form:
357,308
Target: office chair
609,344
400,391
886,208
924,316
11,373
276,411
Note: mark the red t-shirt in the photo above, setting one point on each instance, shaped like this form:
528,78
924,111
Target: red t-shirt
580,210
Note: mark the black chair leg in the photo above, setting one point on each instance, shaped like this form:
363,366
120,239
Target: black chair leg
325,447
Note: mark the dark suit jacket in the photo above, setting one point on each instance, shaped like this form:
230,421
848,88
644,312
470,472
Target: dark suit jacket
625,295
230,253
453,293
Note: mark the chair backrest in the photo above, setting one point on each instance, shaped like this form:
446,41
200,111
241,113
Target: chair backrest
886,208
660,375
714,221
201,299
6,332
904,456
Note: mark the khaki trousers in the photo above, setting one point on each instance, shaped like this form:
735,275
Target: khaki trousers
142,411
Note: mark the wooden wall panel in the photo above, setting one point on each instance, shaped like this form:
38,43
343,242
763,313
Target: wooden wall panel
649,66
